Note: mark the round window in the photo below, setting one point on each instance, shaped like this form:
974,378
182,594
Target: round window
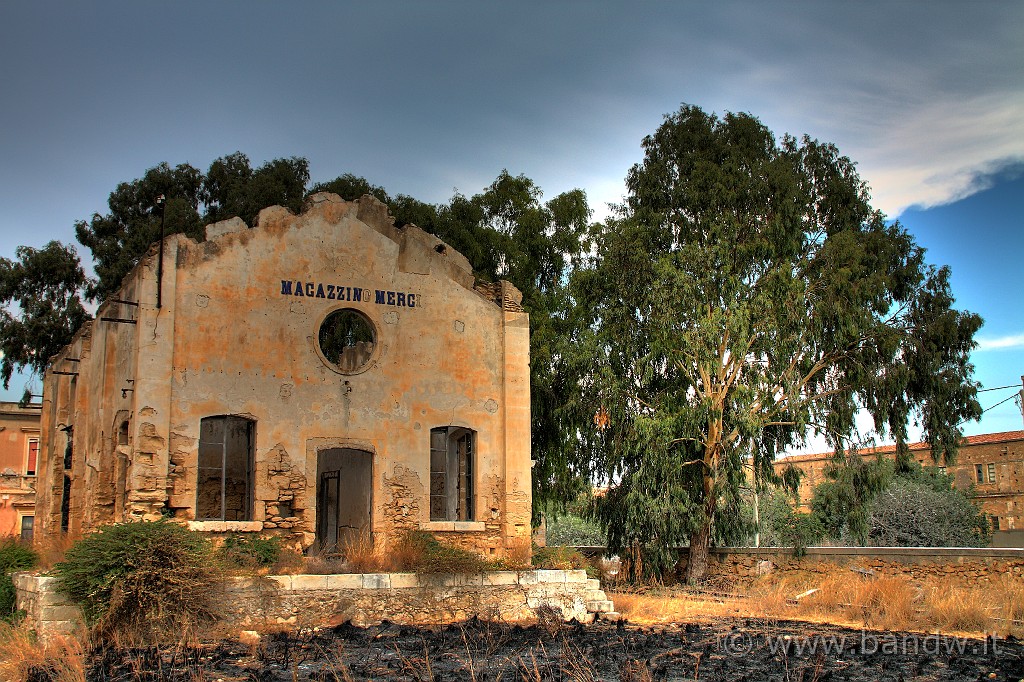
347,339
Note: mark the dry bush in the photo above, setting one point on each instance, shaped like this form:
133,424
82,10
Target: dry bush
640,608
658,608
635,671
404,553
847,598
771,597
421,552
324,565
290,561
142,582
23,657
518,555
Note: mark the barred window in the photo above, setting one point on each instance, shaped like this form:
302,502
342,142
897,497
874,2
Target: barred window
451,474
224,490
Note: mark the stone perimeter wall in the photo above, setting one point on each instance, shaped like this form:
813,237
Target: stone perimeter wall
955,564
327,600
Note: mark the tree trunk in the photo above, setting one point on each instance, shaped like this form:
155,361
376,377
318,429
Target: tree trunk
700,540
700,543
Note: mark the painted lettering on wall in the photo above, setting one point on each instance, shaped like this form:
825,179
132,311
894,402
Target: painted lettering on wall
340,292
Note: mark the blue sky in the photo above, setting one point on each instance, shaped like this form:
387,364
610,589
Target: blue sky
426,98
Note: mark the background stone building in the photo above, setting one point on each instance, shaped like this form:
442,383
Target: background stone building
316,376
992,463
19,455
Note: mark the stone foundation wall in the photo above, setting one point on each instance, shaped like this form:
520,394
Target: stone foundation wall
46,609
326,600
957,565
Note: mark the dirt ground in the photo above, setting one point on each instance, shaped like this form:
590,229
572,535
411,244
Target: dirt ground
740,649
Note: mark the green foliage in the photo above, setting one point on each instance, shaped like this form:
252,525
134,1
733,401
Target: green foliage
230,187
350,187
746,293
778,524
572,530
14,556
842,504
782,526
249,551
40,306
120,238
145,580
886,503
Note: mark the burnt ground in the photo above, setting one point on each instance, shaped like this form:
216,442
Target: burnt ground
479,651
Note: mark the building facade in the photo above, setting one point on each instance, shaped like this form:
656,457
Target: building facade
992,463
19,459
317,376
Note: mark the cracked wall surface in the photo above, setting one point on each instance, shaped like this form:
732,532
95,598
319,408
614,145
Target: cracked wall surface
239,334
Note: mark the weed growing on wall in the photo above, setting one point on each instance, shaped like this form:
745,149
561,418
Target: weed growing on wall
14,556
143,581
421,552
560,558
247,551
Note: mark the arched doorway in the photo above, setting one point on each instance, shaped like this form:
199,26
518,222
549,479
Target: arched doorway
343,497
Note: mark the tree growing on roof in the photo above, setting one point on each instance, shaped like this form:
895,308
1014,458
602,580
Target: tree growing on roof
745,294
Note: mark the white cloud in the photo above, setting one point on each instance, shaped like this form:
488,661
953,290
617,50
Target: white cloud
941,151
1009,342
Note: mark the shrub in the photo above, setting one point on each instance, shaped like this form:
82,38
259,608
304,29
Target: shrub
573,531
251,551
911,513
145,581
14,556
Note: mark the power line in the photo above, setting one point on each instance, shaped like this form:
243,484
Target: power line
999,403
998,388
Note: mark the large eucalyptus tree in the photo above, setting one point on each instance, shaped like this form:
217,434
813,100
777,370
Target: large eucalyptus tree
745,294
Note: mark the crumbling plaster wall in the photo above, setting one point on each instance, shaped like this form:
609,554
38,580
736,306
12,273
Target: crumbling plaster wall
229,340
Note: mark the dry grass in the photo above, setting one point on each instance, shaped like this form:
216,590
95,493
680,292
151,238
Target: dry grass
22,655
959,611
846,598
362,556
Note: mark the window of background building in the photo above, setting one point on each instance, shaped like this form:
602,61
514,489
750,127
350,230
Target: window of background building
451,474
33,457
979,473
224,488
27,526
991,472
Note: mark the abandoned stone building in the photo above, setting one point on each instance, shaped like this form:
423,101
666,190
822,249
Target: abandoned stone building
316,376
991,464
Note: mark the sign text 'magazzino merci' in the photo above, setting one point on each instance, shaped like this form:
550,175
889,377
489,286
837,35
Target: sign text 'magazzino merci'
332,292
